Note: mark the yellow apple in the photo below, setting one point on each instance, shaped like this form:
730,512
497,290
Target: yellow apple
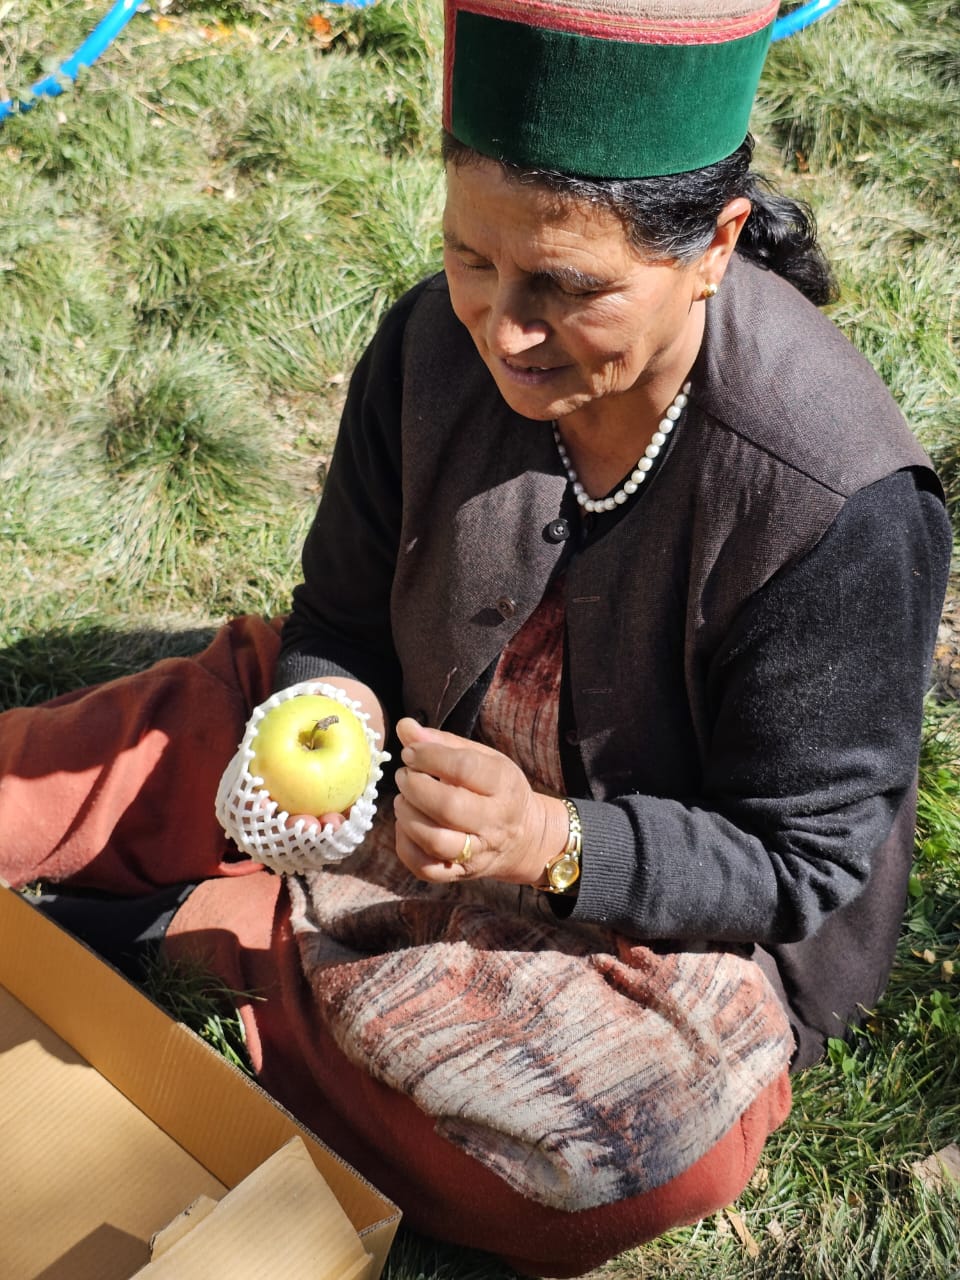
312,754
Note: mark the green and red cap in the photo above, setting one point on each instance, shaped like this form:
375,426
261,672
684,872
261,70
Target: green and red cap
606,88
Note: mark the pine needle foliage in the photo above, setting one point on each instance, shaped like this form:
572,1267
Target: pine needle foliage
197,240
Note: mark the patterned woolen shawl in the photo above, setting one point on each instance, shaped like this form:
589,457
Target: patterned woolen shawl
581,1067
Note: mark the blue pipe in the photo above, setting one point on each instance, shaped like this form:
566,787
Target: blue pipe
109,28
99,38
800,18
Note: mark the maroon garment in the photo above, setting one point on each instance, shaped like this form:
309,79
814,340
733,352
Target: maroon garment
107,788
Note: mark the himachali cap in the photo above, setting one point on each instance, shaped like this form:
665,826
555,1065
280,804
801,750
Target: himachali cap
604,88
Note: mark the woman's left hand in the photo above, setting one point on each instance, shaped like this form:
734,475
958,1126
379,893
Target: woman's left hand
451,787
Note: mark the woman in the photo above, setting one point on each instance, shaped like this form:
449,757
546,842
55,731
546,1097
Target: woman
639,563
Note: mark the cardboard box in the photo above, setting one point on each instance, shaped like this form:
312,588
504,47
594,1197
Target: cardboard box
130,1147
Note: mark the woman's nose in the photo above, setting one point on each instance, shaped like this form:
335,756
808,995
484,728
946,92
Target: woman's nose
515,323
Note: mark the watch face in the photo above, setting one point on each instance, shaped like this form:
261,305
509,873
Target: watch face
564,872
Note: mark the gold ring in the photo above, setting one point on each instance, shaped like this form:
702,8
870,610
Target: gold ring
466,852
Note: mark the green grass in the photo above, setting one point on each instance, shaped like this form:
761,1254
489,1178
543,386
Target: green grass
204,1003
195,244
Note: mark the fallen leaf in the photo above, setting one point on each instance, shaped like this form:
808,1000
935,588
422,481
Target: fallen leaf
761,1176
220,31
740,1227
319,25
225,189
939,1169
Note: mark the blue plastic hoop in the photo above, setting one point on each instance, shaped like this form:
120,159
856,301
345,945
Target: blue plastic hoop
110,27
800,18
99,38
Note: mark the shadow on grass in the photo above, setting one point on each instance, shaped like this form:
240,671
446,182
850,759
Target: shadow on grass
42,666
416,1257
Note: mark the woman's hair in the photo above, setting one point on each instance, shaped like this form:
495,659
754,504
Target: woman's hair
674,217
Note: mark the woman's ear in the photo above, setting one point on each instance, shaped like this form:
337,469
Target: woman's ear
713,264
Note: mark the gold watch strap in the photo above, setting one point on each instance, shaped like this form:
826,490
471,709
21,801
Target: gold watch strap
563,871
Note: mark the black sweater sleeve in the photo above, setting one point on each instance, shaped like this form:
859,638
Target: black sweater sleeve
353,539
817,700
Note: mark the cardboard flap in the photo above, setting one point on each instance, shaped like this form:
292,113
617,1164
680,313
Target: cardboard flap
200,1124
168,1236
282,1218
88,1179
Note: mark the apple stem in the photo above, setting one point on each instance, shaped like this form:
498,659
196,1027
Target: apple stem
320,727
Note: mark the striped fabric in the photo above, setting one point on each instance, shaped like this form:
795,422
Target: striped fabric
612,89
520,715
648,23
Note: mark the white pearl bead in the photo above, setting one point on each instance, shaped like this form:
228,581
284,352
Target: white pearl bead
638,474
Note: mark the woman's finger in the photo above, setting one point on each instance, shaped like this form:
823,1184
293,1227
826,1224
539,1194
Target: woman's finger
315,822
425,867
454,759
445,803
438,841
461,766
411,732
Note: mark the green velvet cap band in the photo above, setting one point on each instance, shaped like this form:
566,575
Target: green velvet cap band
607,108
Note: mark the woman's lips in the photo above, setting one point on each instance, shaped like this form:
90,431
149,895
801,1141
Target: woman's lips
530,375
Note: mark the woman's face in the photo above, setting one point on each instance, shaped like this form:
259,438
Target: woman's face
564,313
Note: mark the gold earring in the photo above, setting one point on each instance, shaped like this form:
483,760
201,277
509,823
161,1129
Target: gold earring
710,291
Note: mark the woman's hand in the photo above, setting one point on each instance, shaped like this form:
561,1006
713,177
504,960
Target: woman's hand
449,788
370,703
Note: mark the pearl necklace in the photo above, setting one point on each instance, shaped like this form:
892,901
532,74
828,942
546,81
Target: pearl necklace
639,473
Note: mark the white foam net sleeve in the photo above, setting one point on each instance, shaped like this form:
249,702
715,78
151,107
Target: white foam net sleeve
257,824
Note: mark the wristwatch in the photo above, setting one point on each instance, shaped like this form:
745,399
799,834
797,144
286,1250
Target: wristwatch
563,871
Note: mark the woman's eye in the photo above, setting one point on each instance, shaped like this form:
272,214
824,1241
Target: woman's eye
566,287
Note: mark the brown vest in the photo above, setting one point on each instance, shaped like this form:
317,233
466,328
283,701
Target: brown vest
754,478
